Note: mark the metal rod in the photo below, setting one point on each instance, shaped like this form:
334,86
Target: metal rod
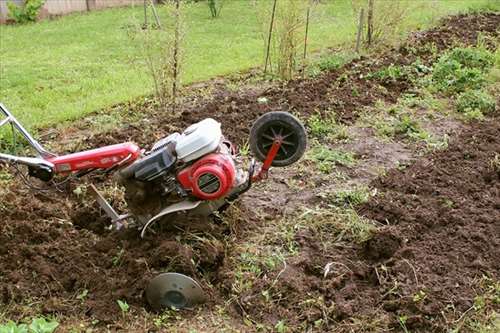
38,147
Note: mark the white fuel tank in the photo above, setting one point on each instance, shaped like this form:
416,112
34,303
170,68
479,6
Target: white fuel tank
198,140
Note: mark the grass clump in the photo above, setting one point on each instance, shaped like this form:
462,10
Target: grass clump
321,128
462,69
340,224
475,102
391,73
350,197
327,158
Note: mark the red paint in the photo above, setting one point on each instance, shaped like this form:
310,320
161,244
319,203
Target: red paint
218,164
271,155
101,158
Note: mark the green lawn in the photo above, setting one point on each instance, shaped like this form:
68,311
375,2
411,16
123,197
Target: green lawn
57,70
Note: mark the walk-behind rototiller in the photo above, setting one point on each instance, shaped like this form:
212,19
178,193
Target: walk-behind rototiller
193,173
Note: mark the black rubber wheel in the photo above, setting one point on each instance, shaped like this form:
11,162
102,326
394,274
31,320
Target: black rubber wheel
275,124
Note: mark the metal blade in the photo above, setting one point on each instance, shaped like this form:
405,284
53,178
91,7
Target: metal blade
173,290
177,207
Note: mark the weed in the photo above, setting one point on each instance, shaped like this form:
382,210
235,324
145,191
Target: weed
475,100
327,158
473,115
419,296
320,127
391,73
327,128
41,325
12,327
281,327
116,260
83,295
461,69
124,307
495,163
338,223
350,197
38,325
402,322
406,125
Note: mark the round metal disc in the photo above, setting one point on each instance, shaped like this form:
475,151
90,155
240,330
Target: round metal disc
173,290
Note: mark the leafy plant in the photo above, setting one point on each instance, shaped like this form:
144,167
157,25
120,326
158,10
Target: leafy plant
25,13
41,325
390,73
461,69
320,127
124,307
351,197
475,100
12,327
38,325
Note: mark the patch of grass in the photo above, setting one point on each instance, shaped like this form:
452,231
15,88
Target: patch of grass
349,197
340,224
475,100
328,128
326,158
391,73
58,70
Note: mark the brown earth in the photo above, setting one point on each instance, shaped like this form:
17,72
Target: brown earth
441,235
53,247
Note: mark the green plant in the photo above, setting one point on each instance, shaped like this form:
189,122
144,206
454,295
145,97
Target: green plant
28,12
461,69
124,307
475,100
281,327
12,327
389,74
327,158
406,125
320,127
41,325
38,325
350,197
402,322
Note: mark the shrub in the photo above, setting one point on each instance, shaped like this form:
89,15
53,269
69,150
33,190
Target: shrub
475,100
25,13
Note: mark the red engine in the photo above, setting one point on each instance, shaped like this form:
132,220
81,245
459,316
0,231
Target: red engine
209,178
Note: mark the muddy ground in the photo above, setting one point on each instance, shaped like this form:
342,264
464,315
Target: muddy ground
437,219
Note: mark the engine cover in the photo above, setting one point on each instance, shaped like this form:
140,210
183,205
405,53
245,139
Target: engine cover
209,178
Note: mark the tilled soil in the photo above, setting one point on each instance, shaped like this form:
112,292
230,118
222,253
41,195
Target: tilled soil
56,256
440,237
